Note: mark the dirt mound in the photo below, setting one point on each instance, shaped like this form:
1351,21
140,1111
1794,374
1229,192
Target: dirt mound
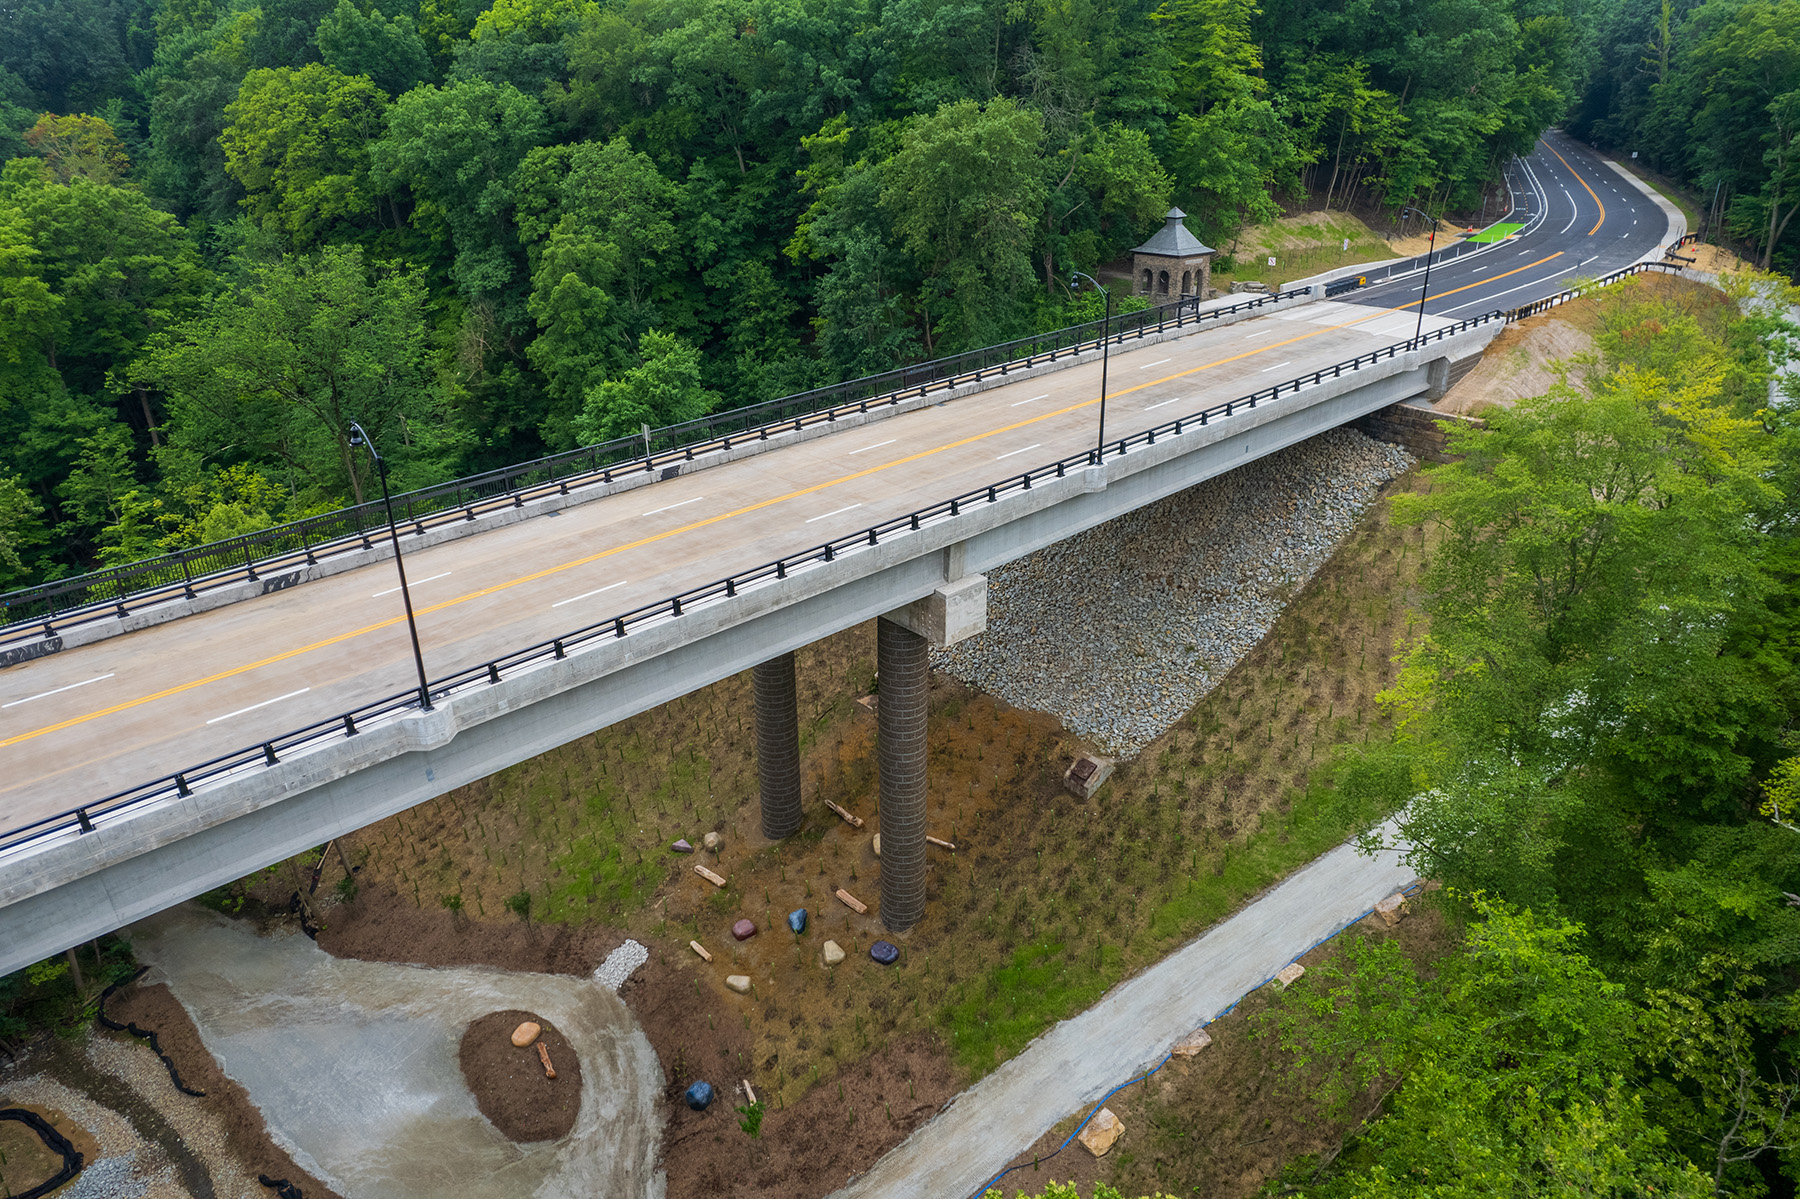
509,1083
1519,363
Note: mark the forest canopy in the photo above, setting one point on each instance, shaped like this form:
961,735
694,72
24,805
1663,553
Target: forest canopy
568,218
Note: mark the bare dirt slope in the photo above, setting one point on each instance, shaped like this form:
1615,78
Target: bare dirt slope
1527,359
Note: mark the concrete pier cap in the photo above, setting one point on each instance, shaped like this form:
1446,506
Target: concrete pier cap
951,613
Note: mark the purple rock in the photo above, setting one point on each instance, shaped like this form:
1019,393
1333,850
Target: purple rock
682,847
743,930
884,952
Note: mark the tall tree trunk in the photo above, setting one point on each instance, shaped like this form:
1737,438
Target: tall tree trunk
149,420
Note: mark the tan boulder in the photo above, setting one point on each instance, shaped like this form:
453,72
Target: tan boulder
739,983
834,953
526,1033
1288,976
1192,1044
1099,1133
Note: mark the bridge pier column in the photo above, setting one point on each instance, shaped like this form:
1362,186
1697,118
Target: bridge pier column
777,746
903,641
904,659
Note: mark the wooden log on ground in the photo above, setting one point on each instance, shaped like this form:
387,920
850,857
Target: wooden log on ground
852,902
853,820
701,950
717,880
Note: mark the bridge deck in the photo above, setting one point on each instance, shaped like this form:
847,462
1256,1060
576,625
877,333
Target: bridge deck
102,717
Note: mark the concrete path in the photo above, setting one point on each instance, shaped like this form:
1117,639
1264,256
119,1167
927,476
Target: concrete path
1070,1067
354,1065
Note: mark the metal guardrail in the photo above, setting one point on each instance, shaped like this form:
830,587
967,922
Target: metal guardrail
31,612
1575,293
357,720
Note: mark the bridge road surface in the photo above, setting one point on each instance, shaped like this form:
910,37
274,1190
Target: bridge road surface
1582,219
87,722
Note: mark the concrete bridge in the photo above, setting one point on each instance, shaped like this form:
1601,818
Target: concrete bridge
591,607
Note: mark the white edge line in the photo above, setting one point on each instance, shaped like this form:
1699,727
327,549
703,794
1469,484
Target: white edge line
58,691
1034,445
667,507
585,594
823,515
265,703
411,583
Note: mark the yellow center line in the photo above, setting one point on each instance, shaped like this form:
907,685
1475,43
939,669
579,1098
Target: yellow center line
1590,191
687,528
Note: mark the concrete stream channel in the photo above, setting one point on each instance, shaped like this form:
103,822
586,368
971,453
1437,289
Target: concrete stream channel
354,1065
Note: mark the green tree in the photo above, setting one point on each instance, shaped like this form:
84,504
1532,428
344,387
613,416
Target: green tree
664,389
964,192
456,149
389,53
274,370
298,141
22,533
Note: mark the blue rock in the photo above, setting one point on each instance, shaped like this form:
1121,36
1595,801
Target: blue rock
884,952
699,1096
797,920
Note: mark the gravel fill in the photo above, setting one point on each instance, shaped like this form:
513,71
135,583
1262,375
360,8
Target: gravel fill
620,964
1122,629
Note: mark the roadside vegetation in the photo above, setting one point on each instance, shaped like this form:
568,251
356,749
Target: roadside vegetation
1596,726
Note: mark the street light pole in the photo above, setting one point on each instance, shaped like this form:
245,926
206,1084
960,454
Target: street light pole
1105,352
360,438
1424,290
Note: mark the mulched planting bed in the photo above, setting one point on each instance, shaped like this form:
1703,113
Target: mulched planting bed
509,1083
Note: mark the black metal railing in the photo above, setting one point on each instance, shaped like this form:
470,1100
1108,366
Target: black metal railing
1575,293
271,555
359,719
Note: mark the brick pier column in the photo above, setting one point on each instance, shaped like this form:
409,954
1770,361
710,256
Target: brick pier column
903,658
778,746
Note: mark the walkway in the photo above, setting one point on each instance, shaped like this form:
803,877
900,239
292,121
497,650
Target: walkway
1074,1064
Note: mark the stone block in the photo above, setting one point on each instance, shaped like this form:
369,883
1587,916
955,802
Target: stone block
797,920
699,1096
1085,775
1192,1044
885,952
833,953
739,983
1391,909
1100,1133
526,1033
1288,976
682,847
876,844
743,930
712,841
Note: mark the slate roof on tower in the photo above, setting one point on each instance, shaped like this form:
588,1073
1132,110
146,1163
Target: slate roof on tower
1173,240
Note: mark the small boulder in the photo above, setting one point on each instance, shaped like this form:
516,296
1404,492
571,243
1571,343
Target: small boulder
797,920
1192,1044
743,930
877,844
1289,975
739,983
1391,909
1098,1135
834,953
699,1096
682,846
712,841
526,1033
884,952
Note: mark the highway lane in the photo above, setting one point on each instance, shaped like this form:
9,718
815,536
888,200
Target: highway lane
1583,219
81,724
